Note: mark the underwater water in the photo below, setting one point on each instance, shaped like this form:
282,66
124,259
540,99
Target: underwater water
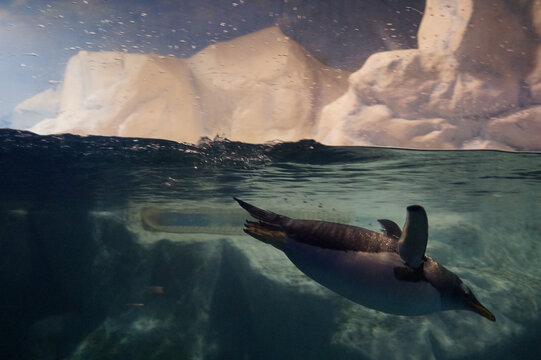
117,248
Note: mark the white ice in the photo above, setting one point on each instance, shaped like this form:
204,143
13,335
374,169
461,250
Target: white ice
467,86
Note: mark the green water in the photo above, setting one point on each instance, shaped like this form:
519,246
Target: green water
82,276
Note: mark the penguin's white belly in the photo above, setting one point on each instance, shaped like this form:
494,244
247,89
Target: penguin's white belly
365,278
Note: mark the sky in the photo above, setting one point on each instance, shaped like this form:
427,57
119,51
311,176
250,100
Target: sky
38,37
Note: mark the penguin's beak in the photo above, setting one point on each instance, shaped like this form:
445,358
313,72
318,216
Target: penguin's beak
481,310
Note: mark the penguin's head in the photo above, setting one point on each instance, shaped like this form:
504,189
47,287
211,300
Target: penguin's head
462,298
454,294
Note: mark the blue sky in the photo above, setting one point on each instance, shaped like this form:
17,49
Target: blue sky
38,37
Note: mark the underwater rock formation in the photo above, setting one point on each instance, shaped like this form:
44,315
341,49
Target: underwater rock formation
94,288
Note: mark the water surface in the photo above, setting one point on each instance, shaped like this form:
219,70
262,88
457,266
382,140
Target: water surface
83,277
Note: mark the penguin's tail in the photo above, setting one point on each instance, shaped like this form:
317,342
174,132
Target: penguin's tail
260,214
267,229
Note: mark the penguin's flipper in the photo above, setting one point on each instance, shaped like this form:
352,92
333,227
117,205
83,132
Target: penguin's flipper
390,228
412,242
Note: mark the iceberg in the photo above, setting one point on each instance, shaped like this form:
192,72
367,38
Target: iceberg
255,88
466,86
42,105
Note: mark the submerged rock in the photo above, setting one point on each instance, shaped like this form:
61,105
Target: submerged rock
100,290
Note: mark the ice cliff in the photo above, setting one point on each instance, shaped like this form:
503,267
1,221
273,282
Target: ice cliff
473,82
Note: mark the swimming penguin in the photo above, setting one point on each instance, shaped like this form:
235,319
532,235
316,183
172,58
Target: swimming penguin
388,272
